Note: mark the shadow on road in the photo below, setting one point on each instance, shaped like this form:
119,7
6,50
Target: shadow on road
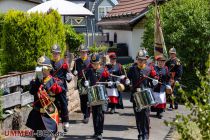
126,114
75,121
118,127
75,137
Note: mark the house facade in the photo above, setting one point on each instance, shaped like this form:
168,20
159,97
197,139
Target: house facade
22,5
125,24
99,8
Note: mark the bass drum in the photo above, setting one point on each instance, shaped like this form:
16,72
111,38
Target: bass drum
97,95
144,99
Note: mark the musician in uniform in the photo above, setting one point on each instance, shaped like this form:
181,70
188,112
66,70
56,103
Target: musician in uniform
115,69
96,73
61,71
159,93
138,75
46,89
80,66
175,70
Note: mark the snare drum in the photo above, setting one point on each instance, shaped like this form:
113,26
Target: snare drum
97,95
82,90
144,99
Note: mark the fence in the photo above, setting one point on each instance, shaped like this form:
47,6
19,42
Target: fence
16,95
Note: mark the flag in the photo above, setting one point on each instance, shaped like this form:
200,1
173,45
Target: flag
159,43
48,106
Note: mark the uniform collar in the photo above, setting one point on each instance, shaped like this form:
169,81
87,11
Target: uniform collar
46,79
141,68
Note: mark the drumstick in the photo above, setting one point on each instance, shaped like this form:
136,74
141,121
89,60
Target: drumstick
104,82
125,72
152,79
84,75
115,75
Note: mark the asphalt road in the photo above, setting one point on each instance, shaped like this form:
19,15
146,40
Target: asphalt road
118,126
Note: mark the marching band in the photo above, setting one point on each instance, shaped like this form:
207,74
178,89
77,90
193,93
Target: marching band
100,87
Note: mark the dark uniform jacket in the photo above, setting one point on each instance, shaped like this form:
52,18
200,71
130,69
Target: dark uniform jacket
174,65
163,77
60,69
81,65
38,120
138,79
115,70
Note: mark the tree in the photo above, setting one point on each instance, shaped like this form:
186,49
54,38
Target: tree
186,26
196,126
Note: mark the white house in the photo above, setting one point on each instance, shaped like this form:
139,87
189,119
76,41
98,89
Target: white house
22,5
125,24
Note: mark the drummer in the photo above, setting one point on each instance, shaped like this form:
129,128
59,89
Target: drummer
115,97
81,64
159,90
138,75
96,73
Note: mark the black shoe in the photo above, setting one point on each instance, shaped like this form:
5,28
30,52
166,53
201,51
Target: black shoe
94,135
112,111
86,120
159,115
99,137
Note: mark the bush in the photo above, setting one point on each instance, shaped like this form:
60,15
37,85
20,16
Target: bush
196,125
98,49
186,26
73,40
28,36
1,108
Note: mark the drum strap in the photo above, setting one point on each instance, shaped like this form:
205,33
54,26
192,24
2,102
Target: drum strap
139,81
58,69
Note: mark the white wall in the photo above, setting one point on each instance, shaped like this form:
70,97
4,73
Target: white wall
137,40
6,5
105,3
132,38
122,37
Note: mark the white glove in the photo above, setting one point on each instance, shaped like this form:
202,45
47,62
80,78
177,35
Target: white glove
110,83
117,82
176,83
154,82
75,72
122,77
68,77
39,74
168,87
127,81
86,83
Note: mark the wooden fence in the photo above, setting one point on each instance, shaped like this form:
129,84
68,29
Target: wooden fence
15,83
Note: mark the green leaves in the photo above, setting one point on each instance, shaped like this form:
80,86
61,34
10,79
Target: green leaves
25,37
186,26
73,40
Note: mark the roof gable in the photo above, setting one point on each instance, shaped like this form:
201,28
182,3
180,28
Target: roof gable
129,7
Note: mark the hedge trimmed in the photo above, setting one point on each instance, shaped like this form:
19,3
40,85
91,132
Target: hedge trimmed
25,37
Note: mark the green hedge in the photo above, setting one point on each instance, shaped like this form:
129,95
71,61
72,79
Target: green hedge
73,40
25,37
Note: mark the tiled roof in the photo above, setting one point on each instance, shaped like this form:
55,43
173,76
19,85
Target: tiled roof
36,1
129,7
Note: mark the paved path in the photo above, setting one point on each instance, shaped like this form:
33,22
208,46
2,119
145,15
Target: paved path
119,126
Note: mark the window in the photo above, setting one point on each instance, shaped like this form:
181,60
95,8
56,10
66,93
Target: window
115,37
103,10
